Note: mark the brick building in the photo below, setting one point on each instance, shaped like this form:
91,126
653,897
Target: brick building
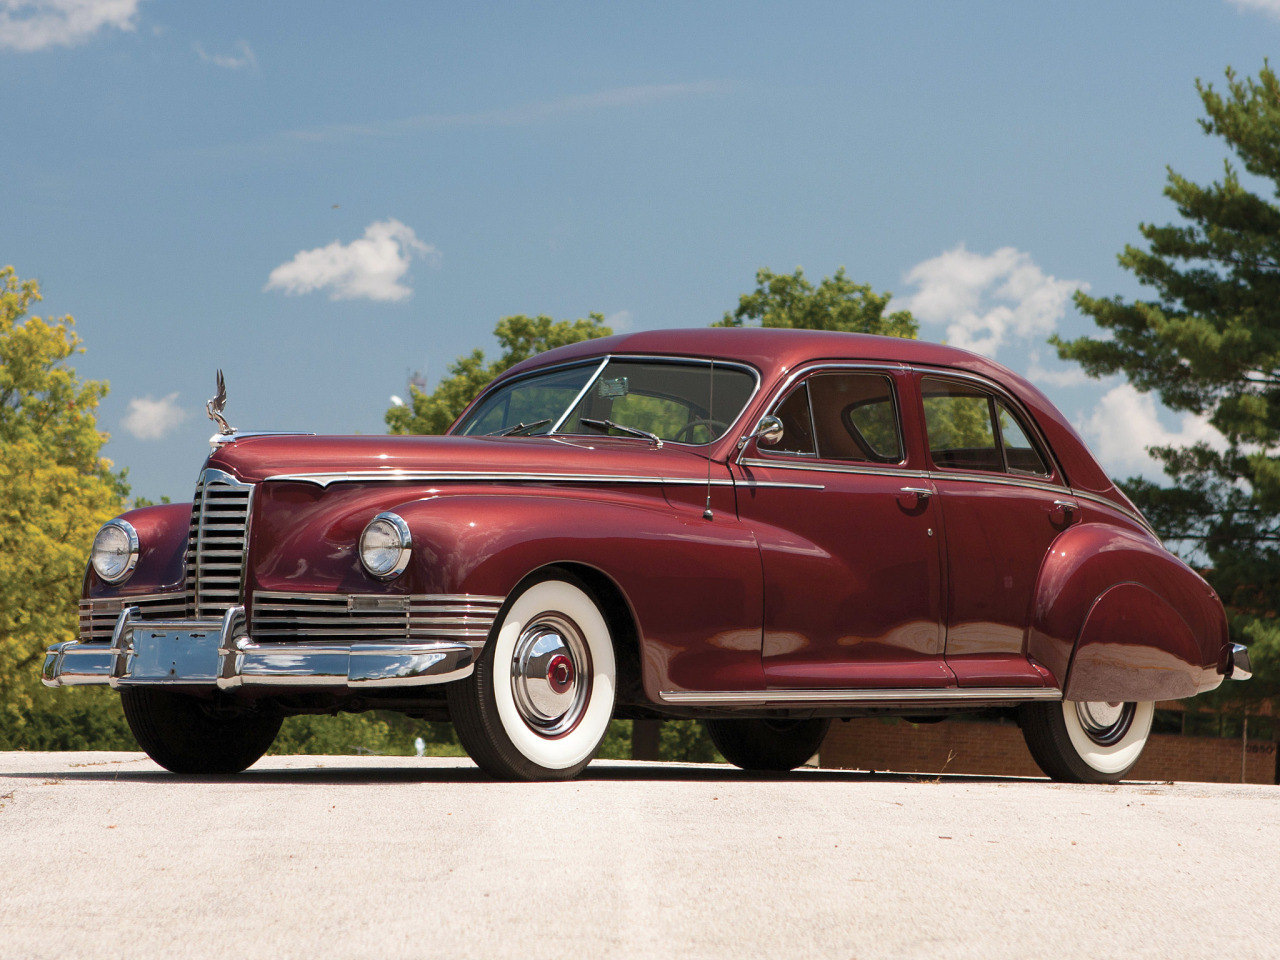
997,749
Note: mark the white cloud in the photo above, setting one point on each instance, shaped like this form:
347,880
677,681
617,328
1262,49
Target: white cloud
371,267
1124,424
983,300
150,419
1269,7
1064,376
229,61
29,25
619,322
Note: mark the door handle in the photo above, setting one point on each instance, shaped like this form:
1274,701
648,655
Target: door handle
912,497
1065,511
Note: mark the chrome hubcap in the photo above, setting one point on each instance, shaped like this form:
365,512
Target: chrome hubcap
550,675
1105,722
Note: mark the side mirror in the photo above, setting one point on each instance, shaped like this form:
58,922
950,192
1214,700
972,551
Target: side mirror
768,433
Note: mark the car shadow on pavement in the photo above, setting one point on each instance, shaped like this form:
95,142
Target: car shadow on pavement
369,771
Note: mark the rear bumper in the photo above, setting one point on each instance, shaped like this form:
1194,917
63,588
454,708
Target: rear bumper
1236,664
219,653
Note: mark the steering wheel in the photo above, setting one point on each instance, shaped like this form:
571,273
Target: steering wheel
689,428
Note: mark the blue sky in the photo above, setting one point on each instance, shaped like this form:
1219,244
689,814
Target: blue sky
322,197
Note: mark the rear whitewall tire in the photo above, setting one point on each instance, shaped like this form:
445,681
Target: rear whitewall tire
1111,759
541,696
1086,742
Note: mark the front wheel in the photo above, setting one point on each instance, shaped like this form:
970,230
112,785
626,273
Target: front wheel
777,745
193,735
1086,741
541,696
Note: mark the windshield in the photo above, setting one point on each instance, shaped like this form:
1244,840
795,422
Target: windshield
672,400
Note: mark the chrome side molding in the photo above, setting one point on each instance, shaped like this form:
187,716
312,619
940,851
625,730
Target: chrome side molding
877,695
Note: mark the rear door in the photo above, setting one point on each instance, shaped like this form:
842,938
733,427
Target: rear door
1002,506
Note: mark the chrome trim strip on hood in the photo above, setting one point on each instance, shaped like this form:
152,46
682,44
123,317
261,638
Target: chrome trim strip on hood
447,476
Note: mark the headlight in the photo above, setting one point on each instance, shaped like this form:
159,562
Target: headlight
385,546
115,551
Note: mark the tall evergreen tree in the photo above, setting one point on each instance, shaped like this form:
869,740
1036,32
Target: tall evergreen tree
1208,343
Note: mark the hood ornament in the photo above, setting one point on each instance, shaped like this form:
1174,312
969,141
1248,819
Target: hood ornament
214,408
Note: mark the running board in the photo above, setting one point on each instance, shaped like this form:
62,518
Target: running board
940,696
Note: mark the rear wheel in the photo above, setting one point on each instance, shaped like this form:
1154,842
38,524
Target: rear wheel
767,744
1086,741
541,696
192,735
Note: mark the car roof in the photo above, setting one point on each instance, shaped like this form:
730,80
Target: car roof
776,351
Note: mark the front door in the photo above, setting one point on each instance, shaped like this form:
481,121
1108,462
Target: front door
848,537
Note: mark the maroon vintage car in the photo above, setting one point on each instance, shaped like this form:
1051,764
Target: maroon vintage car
763,529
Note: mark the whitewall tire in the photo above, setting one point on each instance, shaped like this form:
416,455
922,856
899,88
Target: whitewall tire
541,696
1087,742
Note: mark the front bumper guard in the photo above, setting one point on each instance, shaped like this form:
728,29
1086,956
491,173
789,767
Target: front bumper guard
218,652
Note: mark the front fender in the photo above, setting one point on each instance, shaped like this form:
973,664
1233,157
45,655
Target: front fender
162,553
1118,617
693,585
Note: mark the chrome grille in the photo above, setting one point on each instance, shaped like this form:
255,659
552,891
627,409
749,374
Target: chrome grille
98,617
306,617
216,546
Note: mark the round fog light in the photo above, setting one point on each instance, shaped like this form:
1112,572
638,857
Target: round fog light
385,546
115,551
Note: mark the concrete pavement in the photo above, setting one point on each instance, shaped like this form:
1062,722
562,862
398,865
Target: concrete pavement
105,855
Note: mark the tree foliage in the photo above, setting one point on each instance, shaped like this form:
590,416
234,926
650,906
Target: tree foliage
55,491
1208,342
837,303
521,337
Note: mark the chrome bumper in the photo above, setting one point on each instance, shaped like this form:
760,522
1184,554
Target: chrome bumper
1238,666
210,652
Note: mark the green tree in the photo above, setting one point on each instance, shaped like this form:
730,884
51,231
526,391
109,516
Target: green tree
837,303
55,491
521,337
1208,342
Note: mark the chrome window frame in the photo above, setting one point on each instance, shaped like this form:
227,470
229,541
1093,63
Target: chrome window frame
1004,447
804,461
1057,478
604,361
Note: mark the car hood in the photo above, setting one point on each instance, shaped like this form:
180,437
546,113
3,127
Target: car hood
325,460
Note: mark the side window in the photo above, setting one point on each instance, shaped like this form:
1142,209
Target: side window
970,429
1020,453
797,425
842,416
958,419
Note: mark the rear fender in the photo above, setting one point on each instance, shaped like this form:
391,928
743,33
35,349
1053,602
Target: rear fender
1114,603
1134,646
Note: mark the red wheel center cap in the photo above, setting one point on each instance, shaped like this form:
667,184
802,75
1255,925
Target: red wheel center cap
560,673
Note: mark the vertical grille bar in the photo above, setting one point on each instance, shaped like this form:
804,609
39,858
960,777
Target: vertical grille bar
217,543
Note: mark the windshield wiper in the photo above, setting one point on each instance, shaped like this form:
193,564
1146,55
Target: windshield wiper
634,431
518,429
